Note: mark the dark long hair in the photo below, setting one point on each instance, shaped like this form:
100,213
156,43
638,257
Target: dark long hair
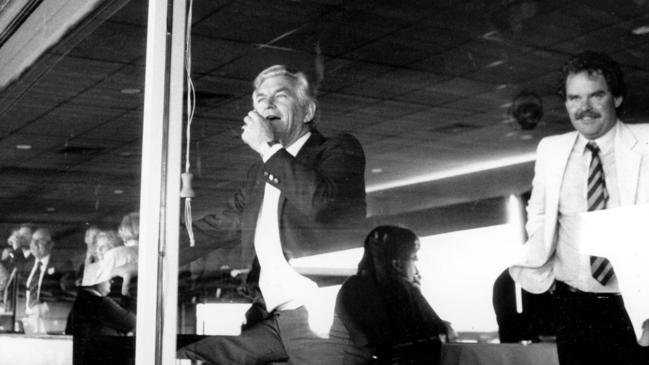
412,324
383,245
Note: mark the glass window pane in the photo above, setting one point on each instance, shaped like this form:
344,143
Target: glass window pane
71,140
448,102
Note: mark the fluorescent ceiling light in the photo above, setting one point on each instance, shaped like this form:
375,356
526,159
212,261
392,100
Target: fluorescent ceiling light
130,91
495,63
464,170
641,30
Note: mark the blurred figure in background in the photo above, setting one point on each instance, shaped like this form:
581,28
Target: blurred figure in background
122,261
4,278
382,306
16,261
90,256
129,229
90,239
98,324
50,287
535,323
18,254
105,241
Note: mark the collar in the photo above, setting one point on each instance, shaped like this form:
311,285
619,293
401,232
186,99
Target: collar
605,142
45,260
92,291
27,253
297,145
131,243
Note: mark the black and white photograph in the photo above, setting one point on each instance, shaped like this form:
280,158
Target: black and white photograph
324,182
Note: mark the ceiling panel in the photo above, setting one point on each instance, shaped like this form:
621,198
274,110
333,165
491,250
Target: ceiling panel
241,21
391,51
210,54
70,120
425,86
113,42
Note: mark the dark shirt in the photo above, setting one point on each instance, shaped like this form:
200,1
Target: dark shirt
18,261
95,318
534,323
395,316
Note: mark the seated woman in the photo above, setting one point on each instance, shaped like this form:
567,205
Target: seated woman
129,229
98,325
382,306
105,241
115,259
121,260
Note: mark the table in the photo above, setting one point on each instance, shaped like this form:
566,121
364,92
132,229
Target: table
57,350
499,354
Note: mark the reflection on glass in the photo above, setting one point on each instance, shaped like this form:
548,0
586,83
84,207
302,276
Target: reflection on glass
427,88
70,129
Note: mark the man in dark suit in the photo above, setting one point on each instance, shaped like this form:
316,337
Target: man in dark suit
49,286
306,194
17,259
18,255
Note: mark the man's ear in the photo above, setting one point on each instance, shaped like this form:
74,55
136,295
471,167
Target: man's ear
396,265
310,113
618,101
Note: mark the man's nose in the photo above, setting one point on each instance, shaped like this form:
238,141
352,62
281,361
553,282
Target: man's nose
268,103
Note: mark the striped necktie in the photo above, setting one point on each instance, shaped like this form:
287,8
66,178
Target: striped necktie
32,297
600,267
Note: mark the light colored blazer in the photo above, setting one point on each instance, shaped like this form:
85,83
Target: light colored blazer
533,268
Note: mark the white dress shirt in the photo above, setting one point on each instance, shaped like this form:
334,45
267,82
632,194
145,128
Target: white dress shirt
570,266
282,287
44,262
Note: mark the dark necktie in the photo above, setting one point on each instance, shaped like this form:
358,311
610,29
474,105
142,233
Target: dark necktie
600,267
33,285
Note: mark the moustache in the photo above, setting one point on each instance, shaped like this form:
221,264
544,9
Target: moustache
587,114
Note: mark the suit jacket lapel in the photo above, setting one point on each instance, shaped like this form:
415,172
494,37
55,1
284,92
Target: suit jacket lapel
307,152
305,155
628,163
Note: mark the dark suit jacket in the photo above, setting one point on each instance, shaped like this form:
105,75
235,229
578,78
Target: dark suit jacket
18,261
22,265
58,280
93,320
532,324
321,208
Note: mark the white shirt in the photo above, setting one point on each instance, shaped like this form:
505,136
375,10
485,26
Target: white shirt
282,287
570,266
44,261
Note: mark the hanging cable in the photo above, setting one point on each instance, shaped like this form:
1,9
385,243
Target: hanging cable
186,191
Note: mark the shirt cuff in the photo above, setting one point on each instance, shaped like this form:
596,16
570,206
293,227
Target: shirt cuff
268,151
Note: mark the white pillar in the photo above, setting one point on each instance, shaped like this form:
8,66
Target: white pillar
160,185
